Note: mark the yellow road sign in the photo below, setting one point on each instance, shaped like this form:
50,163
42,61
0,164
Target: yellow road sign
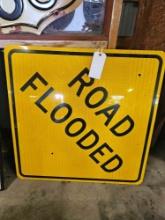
68,126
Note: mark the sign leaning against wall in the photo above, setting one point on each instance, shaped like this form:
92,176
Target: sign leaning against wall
68,126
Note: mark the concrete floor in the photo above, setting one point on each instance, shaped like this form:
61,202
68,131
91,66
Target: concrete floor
42,200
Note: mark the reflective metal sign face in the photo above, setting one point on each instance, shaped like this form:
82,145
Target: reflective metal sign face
68,126
32,15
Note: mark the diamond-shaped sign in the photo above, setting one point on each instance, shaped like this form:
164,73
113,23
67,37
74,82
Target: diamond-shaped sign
68,126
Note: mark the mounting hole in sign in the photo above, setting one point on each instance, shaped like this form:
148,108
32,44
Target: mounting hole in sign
56,13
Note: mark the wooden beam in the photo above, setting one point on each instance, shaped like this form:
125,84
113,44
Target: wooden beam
115,23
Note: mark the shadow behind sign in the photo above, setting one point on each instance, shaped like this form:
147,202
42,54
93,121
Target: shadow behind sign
6,154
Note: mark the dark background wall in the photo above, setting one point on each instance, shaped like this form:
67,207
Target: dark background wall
149,34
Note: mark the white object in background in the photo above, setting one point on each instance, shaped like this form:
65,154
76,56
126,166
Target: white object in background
32,16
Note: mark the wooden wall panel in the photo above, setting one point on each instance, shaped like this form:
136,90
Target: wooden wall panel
150,32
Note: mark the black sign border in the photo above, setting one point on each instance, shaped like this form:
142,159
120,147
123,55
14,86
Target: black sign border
48,52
